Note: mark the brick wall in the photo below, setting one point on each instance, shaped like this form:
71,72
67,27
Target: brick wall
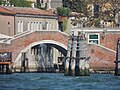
18,44
103,56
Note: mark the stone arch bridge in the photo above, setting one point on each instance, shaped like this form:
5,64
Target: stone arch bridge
22,42
59,40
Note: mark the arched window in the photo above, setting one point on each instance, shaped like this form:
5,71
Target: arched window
20,27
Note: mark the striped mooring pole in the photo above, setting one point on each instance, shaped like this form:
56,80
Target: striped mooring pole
117,62
77,60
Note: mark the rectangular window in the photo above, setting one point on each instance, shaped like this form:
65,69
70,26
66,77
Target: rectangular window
51,26
34,26
44,25
31,26
18,27
28,26
40,26
21,26
37,26
93,38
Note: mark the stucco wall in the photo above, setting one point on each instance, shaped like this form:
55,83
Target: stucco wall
4,27
34,19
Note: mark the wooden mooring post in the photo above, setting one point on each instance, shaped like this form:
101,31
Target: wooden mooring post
77,60
24,63
117,62
67,61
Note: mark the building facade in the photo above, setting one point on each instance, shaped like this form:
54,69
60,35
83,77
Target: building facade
6,22
102,44
19,21
29,19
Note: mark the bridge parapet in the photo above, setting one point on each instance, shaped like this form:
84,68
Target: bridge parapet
28,32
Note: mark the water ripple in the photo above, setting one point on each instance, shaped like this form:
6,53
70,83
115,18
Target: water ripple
52,81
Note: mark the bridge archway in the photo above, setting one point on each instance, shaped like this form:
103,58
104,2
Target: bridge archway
59,46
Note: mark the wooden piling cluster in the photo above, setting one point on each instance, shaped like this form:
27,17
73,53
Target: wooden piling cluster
77,60
117,62
5,62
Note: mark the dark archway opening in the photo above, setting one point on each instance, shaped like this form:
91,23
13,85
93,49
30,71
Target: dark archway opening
47,57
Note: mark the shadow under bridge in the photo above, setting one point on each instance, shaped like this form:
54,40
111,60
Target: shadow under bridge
44,57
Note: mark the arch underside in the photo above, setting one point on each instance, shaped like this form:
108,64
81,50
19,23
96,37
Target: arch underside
61,47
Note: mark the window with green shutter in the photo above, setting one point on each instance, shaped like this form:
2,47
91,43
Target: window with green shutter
93,38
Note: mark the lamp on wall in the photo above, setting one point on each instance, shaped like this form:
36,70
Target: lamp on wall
8,28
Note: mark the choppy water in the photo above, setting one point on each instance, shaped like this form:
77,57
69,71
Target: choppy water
53,81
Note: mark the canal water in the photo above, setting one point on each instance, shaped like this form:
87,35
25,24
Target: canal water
57,81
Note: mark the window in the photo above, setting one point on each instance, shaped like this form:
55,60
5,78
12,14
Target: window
51,26
44,25
34,26
20,26
40,26
96,11
93,38
28,26
37,26
31,26
8,27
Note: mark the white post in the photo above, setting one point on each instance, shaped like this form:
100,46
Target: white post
67,62
117,62
73,57
83,56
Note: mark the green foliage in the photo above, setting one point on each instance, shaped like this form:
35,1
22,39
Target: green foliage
38,5
20,3
62,11
97,23
79,6
1,2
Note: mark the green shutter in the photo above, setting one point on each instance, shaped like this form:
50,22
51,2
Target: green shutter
93,36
